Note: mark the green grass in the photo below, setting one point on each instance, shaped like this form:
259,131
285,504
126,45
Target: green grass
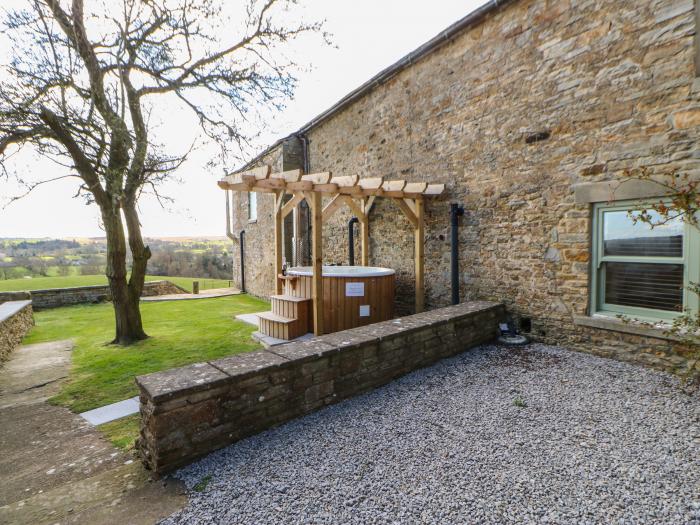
122,432
182,332
201,485
40,283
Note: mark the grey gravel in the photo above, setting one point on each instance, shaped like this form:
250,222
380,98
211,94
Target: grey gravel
597,441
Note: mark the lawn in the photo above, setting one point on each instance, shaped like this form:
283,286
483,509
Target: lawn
182,332
40,283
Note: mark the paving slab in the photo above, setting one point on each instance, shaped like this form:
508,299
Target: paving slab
269,341
251,319
118,410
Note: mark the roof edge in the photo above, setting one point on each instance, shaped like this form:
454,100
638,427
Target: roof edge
473,18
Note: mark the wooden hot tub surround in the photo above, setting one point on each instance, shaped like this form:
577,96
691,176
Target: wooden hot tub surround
352,296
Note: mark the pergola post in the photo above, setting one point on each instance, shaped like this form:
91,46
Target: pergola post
314,199
279,198
419,255
364,229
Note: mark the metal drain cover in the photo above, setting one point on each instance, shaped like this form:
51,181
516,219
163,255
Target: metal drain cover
513,339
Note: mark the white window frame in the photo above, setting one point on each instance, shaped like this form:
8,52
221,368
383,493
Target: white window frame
252,206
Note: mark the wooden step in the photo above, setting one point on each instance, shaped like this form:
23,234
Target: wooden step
280,326
276,318
291,298
292,307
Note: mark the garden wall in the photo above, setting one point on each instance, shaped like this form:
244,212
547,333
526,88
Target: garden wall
16,319
188,412
55,297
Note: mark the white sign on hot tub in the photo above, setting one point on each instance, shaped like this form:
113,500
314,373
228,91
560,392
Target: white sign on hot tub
354,289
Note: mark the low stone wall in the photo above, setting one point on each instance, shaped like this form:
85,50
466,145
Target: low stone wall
55,297
16,319
6,297
188,412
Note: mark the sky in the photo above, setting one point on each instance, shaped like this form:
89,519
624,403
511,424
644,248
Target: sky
367,36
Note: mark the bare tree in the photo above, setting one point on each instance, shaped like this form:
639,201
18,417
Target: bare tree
82,88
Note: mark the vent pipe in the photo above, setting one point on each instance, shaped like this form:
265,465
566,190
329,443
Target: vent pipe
351,240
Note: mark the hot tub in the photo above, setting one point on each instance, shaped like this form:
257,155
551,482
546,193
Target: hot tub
352,295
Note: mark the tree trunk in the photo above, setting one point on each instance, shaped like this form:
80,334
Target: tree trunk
139,252
129,327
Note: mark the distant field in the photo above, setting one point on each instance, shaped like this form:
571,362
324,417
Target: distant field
40,283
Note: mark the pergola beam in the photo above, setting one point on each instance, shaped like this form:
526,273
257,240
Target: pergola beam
323,183
291,204
333,206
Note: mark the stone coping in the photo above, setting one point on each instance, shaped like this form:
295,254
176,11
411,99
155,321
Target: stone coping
176,382
11,308
87,287
616,325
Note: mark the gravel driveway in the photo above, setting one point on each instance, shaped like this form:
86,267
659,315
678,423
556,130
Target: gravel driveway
495,435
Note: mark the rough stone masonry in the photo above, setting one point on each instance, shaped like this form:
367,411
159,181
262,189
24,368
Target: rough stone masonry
512,114
16,319
56,297
190,411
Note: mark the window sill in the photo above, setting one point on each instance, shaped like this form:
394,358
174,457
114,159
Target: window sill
252,221
616,325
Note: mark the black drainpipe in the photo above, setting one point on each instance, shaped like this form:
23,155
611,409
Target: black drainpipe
241,237
351,240
456,211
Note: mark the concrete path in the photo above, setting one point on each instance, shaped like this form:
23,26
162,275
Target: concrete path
54,466
204,294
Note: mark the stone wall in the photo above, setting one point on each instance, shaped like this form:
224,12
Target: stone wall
16,319
607,84
55,297
191,411
14,296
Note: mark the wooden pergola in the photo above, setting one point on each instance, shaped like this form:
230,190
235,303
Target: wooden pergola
356,193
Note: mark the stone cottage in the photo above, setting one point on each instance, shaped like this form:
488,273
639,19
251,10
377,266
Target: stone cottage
528,111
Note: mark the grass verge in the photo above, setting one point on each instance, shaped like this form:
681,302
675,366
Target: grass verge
122,432
182,332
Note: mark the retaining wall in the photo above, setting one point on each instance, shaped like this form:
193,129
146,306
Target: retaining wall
188,412
55,297
16,319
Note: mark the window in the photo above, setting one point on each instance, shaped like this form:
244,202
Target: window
642,271
696,5
252,206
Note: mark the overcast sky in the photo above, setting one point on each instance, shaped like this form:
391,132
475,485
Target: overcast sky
368,35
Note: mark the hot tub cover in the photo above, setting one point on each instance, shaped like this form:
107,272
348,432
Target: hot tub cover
343,271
